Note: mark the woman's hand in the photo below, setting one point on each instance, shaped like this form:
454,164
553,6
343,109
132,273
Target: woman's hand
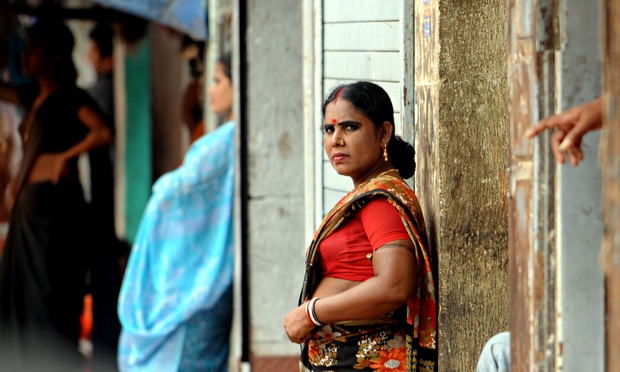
297,326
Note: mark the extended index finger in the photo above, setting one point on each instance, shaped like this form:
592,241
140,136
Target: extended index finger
548,123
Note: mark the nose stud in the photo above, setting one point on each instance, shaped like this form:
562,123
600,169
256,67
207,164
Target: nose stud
341,142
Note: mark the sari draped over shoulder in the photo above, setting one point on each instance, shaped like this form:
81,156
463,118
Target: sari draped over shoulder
419,316
181,263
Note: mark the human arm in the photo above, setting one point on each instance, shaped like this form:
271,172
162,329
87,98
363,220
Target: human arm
98,135
393,283
570,126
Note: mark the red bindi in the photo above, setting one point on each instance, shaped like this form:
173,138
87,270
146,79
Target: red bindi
334,121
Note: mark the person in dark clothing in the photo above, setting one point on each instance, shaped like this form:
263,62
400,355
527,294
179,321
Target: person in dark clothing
43,266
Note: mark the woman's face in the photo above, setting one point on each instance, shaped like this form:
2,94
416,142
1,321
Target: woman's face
351,141
221,93
33,58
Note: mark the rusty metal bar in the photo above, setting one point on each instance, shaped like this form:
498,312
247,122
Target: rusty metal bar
610,162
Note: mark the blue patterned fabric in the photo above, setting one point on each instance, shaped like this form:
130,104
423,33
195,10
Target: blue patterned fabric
182,261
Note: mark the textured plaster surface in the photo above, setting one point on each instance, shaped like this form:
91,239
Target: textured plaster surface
461,119
276,166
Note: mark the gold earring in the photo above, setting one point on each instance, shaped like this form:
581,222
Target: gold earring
385,155
341,142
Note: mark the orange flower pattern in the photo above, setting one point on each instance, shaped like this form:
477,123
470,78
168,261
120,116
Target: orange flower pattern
393,361
378,347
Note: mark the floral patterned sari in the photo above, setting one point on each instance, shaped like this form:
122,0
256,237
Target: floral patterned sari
401,341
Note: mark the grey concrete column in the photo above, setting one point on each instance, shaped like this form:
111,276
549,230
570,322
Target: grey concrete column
275,176
461,141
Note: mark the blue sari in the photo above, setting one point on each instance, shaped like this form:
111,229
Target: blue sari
177,286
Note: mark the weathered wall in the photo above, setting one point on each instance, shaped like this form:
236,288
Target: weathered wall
580,285
275,170
461,121
373,51
554,209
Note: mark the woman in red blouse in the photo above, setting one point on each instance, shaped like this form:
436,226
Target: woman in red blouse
368,301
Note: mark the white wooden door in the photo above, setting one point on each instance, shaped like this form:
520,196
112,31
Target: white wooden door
361,40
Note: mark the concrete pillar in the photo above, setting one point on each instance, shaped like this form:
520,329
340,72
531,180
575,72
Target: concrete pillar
273,127
461,143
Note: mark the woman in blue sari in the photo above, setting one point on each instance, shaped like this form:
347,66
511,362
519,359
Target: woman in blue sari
175,304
